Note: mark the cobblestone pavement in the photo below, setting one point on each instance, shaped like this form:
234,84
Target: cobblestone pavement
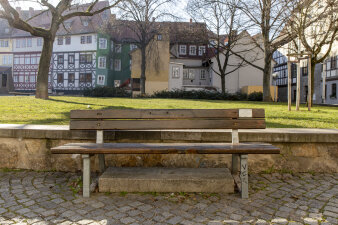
47,198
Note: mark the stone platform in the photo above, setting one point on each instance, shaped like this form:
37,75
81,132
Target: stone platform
156,179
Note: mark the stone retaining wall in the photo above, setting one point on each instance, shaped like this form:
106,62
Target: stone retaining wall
302,150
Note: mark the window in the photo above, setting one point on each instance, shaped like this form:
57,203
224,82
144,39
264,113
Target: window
4,43
183,49
39,42
33,60
16,61
175,72
68,40
117,83
100,79
60,40
191,74
118,48
83,40
192,50
132,47
4,60
60,59
333,63
89,39
117,64
86,58
85,78
17,43
71,59
304,69
29,42
185,74
333,90
27,61
60,78
27,79
202,75
201,50
85,23
102,43
112,45
159,37
71,78
23,43
102,62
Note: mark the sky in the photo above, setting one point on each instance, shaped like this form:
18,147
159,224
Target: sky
178,11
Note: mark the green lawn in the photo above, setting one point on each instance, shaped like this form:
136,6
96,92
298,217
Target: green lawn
28,110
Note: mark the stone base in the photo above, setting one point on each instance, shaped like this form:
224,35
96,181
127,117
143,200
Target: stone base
155,179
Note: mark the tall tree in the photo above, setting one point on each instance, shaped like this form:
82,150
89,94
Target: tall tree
59,13
142,16
223,19
269,18
316,24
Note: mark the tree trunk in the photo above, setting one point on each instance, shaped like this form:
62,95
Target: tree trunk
143,71
44,65
223,83
267,75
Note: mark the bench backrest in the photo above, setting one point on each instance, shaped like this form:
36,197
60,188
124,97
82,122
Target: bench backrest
152,119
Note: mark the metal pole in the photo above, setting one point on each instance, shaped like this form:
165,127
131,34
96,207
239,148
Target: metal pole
309,95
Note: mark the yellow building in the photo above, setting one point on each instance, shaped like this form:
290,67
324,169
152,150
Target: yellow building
157,67
6,56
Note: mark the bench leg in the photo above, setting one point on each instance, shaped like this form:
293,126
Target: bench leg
235,164
244,177
86,176
99,140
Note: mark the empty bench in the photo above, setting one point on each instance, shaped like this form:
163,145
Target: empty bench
173,119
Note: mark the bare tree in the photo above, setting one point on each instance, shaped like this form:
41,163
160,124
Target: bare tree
223,19
140,18
64,10
316,24
269,18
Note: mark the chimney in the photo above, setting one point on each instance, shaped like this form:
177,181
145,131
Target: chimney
31,11
153,19
190,20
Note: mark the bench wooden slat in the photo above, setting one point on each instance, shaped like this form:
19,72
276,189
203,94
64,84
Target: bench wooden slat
167,124
160,113
166,148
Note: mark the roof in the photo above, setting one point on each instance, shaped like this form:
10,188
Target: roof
178,32
75,25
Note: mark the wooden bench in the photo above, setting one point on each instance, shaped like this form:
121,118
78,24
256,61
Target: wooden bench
21,93
157,119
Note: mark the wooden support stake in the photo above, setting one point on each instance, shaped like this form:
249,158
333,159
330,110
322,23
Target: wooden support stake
298,87
309,95
289,84
99,140
86,176
324,82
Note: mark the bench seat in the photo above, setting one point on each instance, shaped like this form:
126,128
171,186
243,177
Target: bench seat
166,148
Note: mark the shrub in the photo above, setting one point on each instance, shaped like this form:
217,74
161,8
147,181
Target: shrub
198,94
255,96
103,91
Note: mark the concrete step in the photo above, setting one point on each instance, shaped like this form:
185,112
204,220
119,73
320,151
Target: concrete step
156,179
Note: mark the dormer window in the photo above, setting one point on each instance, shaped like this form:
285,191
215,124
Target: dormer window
67,24
85,23
192,50
183,49
6,30
159,37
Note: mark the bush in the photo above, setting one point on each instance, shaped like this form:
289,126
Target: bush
255,96
103,91
200,94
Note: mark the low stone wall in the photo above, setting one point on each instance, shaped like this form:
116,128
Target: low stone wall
302,150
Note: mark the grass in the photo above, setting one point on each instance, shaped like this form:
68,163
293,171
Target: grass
28,110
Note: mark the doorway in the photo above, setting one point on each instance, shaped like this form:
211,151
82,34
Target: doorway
4,80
